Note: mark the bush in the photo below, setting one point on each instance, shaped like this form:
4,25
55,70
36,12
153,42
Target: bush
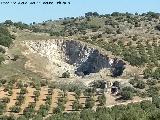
1,59
2,50
5,37
140,84
127,95
5,40
87,114
29,112
10,93
36,93
102,99
89,103
152,82
15,109
157,27
2,108
23,91
5,100
3,81
66,74
76,105
153,91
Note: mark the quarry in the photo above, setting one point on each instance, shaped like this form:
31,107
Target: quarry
78,58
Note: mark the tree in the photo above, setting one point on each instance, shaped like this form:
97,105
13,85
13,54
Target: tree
147,105
20,99
43,110
19,84
95,14
152,91
1,59
140,84
156,73
73,116
22,117
2,108
5,41
15,109
23,91
5,100
66,74
3,81
9,22
147,73
29,112
152,82
77,93
50,91
36,93
87,114
5,37
37,117
59,109
156,101
76,105
89,103
10,117
103,113
127,95
157,27
102,99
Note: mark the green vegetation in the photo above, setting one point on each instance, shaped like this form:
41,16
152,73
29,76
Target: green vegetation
66,74
102,99
113,32
5,37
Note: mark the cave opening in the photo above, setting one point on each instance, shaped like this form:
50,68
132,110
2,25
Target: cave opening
86,72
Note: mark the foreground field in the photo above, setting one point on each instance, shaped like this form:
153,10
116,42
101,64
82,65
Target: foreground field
29,99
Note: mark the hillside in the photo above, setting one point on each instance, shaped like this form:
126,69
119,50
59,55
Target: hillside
81,66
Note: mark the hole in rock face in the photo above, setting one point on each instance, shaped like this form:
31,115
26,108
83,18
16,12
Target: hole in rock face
95,62
76,57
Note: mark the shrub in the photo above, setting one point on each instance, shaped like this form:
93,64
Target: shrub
15,109
152,82
157,27
10,93
89,103
66,74
140,84
2,50
5,100
1,59
102,99
36,93
127,95
5,40
23,91
2,108
76,105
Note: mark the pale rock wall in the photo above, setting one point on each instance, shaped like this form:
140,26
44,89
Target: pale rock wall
63,55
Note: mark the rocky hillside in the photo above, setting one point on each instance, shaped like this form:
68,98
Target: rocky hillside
78,58
132,38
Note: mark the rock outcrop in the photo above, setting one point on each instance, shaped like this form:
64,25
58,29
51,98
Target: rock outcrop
68,55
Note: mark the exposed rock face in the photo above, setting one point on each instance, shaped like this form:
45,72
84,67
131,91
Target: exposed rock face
62,55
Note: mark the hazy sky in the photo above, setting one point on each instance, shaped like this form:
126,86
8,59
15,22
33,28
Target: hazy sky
39,13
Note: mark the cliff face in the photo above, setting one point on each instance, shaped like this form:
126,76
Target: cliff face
62,55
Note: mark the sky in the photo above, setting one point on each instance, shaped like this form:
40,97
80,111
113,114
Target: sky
39,13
